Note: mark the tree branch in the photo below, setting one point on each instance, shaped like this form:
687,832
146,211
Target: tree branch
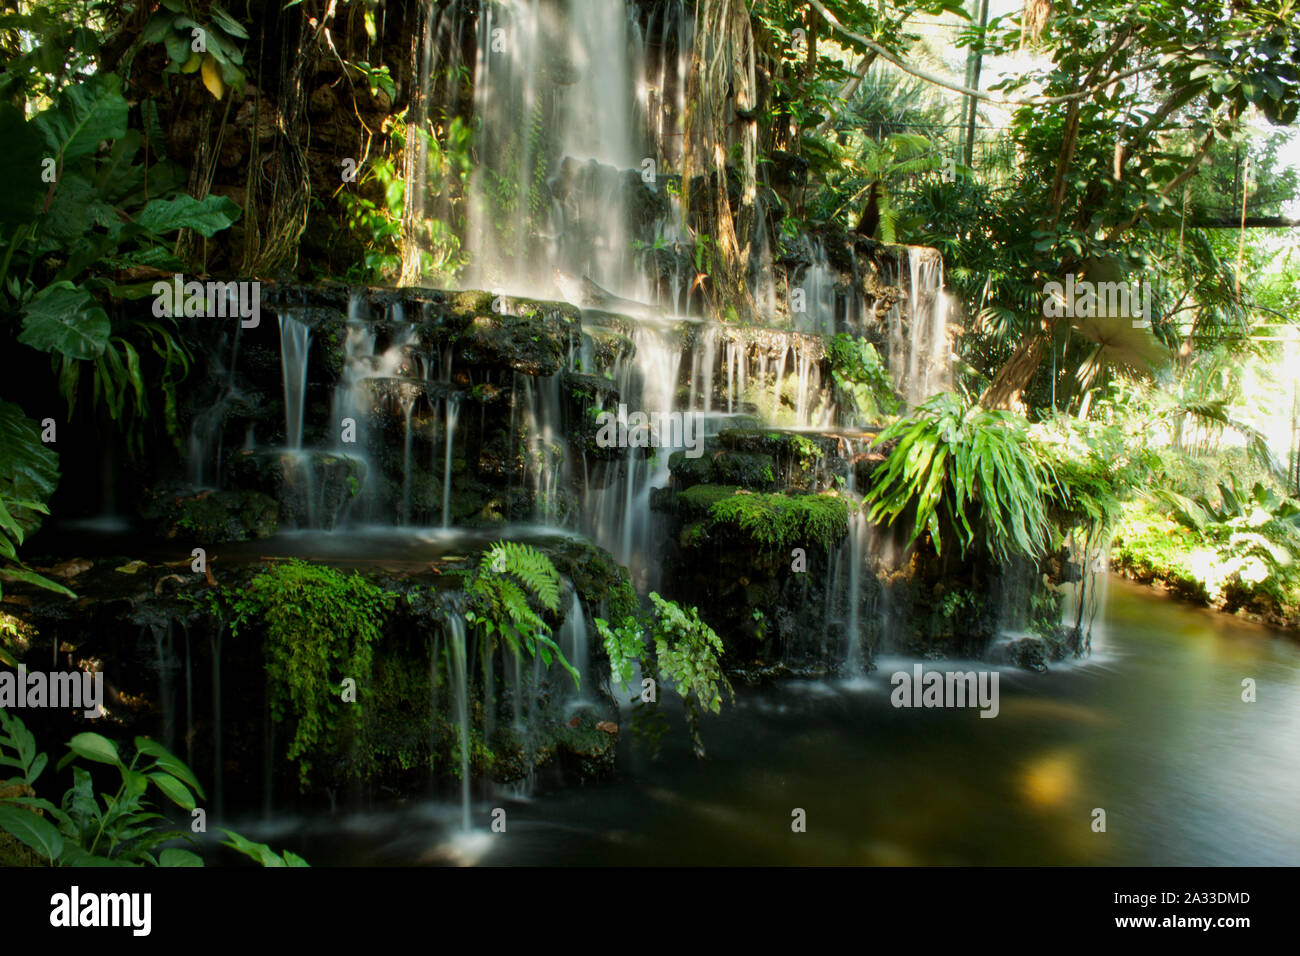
964,90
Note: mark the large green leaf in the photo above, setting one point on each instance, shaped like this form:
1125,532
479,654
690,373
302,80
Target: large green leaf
33,830
77,207
257,851
29,470
20,168
15,572
97,748
168,761
65,319
205,216
85,115
176,791
177,857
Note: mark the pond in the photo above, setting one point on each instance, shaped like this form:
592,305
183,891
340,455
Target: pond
1152,729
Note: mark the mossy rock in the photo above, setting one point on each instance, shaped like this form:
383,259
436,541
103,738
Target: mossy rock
802,461
770,522
212,516
311,487
533,339
688,472
746,470
598,578
587,748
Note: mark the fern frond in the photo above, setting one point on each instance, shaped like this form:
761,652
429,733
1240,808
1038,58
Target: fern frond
533,568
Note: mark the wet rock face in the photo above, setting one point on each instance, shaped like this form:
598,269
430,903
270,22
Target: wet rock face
1030,653
312,489
174,672
730,554
533,342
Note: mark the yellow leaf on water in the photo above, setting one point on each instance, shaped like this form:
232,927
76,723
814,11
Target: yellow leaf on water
212,76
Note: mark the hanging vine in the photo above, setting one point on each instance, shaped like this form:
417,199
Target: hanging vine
719,120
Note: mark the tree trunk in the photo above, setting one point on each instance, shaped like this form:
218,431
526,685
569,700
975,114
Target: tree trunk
1008,385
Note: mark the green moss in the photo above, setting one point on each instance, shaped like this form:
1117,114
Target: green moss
319,627
775,521
694,534
698,502
747,470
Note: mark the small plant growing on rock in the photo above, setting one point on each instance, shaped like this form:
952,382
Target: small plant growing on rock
319,626
498,591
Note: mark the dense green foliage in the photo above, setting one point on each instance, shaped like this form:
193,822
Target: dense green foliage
968,475
319,626
1234,548
686,652
773,521
29,472
69,231
118,829
857,370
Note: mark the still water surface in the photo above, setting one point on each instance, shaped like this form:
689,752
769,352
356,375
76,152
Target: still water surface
1152,729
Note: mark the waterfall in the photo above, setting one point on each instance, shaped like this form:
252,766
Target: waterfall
162,642
856,546
618,515
558,104
927,346
295,339
204,444
449,435
817,289
574,642
460,693
218,765
545,450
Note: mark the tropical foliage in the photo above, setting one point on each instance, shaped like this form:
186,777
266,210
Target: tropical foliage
686,652
117,829
499,590
964,475
319,628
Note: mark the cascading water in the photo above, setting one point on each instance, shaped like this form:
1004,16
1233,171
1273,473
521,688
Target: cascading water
926,350
574,641
570,100
295,339
460,696
452,409
813,300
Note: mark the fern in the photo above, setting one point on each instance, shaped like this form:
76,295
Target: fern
687,652
499,600
530,566
968,474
